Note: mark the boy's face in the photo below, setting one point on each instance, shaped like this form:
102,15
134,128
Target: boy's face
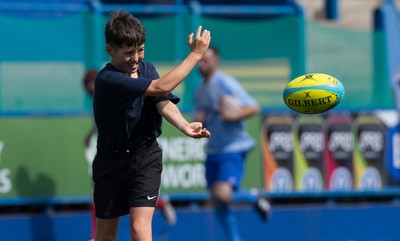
126,58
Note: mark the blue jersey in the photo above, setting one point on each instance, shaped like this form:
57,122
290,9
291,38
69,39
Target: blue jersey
124,117
226,136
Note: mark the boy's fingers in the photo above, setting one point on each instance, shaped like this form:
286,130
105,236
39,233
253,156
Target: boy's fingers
199,125
190,38
206,33
198,33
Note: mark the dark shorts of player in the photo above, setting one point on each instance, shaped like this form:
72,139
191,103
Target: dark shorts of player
127,179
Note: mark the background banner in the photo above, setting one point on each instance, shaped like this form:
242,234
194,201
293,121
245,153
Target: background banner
336,151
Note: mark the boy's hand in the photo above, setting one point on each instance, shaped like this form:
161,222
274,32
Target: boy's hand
196,130
201,42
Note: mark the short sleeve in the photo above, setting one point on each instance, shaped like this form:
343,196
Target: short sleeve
150,72
232,87
114,90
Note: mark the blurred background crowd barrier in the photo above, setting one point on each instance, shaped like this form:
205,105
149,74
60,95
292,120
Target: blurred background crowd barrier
352,152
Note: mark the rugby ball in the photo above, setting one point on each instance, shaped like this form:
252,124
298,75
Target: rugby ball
313,93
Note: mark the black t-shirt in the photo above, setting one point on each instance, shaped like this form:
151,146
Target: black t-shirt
124,117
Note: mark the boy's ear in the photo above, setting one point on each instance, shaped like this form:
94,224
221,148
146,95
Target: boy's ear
109,49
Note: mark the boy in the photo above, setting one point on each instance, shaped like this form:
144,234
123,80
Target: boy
129,102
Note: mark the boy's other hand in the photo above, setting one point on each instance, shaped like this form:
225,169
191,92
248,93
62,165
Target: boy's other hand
196,130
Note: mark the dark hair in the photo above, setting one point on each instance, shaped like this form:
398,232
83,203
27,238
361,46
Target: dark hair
123,28
215,50
90,76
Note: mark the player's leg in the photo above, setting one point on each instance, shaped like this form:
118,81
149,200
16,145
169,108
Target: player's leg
167,210
222,192
93,219
140,223
109,196
222,196
224,173
107,229
228,172
144,188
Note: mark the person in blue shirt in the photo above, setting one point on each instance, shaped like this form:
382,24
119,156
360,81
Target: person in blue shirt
222,105
130,100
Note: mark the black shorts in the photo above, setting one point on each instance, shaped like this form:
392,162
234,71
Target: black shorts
127,180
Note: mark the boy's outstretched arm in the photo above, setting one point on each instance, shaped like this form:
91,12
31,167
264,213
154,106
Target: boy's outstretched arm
198,45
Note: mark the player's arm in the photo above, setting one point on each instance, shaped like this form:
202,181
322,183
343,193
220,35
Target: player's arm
240,107
172,114
199,116
171,80
242,113
88,135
